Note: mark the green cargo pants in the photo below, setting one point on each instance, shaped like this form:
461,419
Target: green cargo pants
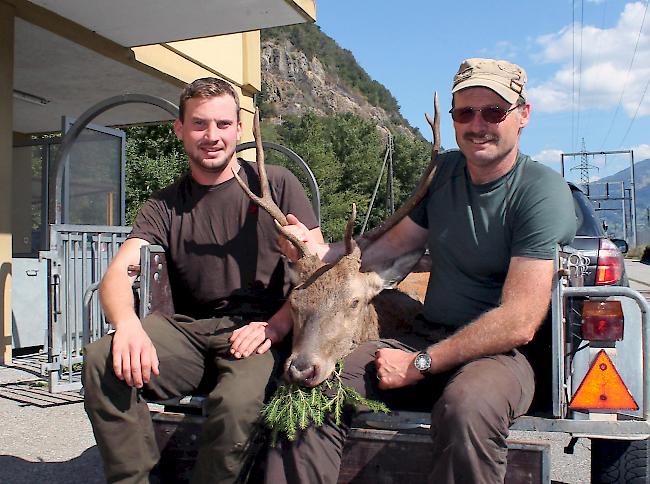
194,356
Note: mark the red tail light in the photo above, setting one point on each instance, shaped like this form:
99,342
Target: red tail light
610,263
602,321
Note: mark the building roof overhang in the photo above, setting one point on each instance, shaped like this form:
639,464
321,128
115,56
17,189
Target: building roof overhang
71,54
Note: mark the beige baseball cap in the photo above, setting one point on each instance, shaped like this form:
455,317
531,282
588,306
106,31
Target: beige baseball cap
504,78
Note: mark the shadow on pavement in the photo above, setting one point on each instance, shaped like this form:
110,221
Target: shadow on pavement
86,468
34,393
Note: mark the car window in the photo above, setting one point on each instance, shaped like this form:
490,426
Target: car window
588,223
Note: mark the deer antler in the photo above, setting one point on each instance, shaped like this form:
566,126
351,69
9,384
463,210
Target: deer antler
266,201
349,229
421,190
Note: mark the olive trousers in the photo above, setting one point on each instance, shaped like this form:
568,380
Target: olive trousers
194,358
471,410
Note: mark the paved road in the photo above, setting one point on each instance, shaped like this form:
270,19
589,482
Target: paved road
47,438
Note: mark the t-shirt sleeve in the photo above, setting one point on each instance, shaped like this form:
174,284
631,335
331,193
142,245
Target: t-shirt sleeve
291,198
419,213
544,218
152,223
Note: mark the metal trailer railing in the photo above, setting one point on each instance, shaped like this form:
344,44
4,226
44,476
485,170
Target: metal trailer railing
78,258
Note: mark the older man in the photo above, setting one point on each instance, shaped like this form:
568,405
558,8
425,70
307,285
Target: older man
491,219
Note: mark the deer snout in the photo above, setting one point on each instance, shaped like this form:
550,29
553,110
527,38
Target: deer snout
301,372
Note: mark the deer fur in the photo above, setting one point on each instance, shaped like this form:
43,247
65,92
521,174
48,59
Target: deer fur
335,307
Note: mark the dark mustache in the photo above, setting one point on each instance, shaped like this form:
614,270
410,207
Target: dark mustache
484,136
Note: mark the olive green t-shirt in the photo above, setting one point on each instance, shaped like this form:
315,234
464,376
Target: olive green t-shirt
221,249
474,230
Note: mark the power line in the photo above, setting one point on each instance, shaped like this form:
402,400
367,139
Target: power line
597,57
629,126
627,76
645,89
582,24
573,72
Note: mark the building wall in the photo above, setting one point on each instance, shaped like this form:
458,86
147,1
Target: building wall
6,141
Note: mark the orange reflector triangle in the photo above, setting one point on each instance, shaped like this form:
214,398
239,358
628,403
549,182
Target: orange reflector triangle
602,387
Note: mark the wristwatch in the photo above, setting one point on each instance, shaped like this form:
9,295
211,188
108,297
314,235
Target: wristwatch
422,362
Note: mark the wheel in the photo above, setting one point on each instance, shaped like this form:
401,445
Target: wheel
619,461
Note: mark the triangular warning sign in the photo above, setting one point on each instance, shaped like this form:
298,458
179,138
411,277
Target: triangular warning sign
603,388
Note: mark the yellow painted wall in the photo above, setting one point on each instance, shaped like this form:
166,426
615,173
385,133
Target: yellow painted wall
6,123
235,58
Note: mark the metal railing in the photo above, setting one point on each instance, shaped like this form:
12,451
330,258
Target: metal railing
78,258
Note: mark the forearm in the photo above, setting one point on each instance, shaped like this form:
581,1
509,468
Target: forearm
493,333
281,322
524,304
116,297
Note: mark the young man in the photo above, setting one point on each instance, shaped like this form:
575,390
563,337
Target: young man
491,219
228,285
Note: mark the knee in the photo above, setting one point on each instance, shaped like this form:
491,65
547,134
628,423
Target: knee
460,414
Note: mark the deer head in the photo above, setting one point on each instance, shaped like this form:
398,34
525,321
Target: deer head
332,304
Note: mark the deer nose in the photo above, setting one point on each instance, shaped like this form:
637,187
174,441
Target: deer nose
301,372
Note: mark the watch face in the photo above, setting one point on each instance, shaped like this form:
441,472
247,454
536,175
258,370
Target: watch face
422,361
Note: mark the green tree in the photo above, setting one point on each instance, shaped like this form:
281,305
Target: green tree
155,158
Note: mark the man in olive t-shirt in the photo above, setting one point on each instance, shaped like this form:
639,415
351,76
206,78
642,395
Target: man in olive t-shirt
228,287
491,219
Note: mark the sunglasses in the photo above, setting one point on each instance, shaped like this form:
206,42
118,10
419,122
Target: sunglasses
490,114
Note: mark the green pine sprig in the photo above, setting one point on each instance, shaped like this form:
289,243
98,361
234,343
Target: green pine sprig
294,408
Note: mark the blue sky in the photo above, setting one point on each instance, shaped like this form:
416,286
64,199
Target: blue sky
588,64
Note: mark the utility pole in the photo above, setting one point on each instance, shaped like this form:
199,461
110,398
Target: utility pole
584,167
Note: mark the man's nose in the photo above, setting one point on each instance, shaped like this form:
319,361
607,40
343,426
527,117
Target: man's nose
212,132
478,123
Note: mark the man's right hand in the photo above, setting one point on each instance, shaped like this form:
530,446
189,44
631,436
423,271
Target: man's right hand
313,239
134,355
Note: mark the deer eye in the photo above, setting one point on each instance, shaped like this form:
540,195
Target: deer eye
354,304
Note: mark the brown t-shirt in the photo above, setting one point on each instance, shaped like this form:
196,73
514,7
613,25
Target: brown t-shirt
222,250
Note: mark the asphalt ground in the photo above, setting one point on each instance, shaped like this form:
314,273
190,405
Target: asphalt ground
46,437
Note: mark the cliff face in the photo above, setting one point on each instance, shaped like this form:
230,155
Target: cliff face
295,82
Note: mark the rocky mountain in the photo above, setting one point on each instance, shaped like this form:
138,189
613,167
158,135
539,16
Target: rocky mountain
303,69
611,210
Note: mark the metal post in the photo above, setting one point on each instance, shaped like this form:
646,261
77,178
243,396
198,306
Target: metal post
633,211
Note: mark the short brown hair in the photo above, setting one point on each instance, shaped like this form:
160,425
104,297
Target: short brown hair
204,88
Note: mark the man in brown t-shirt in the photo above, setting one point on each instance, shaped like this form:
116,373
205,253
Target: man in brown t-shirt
228,286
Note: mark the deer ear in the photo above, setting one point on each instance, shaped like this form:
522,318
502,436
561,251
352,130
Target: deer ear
394,271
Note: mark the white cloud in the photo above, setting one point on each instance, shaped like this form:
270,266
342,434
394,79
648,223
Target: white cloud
641,152
503,49
551,158
606,56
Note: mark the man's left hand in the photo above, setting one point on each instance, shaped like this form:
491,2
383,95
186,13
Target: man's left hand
255,337
395,368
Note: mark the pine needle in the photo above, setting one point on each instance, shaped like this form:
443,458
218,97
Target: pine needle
294,408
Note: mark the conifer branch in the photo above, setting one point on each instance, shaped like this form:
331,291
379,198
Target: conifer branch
294,408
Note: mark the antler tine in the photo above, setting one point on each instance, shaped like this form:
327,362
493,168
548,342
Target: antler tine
349,229
266,200
421,189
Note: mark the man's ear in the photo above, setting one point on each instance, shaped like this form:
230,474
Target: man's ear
178,129
524,117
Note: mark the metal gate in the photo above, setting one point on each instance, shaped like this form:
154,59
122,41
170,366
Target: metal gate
78,258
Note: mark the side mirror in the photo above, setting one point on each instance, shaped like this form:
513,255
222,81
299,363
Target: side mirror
621,244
